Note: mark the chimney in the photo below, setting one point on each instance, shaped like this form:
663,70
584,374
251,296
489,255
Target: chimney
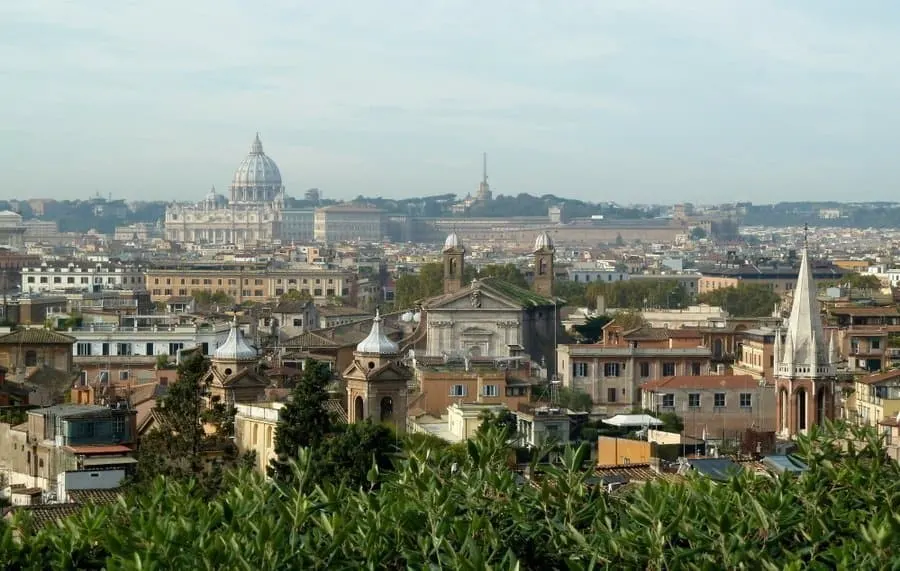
655,465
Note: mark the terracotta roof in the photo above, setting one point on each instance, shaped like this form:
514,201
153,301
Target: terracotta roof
98,497
310,339
635,473
35,337
101,449
47,514
879,377
702,382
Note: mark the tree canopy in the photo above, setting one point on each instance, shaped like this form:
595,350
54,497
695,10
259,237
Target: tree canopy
629,294
854,280
840,514
743,300
207,298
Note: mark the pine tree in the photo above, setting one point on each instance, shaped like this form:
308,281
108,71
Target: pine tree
303,422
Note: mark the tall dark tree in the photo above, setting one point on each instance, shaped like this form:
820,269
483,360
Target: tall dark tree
349,455
173,448
304,421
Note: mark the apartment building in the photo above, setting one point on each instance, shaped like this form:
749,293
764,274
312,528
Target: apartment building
613,373
869,336
439,386
713,406
111,353
60,276
876,397
778,276
250,281
67,437
756,357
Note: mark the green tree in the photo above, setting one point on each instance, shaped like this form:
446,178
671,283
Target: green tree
743,300
507,272
207,298
854,280
427,282
504,421
629,320
296,295
304,421
698,233
591,331
348,455
173,448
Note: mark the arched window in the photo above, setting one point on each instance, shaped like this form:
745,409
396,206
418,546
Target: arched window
358,410
542,267
31,358
387,409
255,434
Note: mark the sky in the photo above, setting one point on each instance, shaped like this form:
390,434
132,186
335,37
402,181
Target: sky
632,101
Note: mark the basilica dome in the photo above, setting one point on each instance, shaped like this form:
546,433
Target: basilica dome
257,178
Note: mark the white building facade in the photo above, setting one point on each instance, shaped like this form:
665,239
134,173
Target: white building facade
80,276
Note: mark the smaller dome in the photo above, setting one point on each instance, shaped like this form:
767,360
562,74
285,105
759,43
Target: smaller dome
452,242
235,348
543,242
377,343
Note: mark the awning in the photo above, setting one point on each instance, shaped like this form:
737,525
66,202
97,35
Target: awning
109,461
633,420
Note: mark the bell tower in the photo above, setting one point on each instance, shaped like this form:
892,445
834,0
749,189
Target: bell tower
454,255
543,265
805,378
377,381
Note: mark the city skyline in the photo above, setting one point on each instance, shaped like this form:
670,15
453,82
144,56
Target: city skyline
707,102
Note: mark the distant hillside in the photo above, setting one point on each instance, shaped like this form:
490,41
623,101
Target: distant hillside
857,215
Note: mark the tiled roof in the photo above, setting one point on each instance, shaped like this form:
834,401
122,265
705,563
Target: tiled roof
98,497
635,473
886,311
290,307
879,377
35,337
702,382
310,339
341,310
47,514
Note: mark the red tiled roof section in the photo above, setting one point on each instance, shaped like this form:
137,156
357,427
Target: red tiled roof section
879,377
110,449
703,382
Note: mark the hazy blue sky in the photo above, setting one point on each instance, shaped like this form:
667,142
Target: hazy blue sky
625,100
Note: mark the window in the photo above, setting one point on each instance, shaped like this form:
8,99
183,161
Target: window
876,343
175,347
668,400
123,375
610,369
119,426
298,322
719,400
695,369
123,349
610,395
668,369
746,400
580,369
31,358
149,349
83,349
645,370
458,391
105,348
490,391
693,400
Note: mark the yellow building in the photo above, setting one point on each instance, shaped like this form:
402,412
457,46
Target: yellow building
254,430
877,397
249,281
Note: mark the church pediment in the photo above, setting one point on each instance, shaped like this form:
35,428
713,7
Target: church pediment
476,332
474,299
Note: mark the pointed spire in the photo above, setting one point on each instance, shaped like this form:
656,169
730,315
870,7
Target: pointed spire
806,347
256,147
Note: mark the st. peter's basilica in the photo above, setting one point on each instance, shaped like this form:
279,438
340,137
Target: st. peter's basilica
250,215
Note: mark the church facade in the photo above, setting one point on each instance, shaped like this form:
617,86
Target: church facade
250,215
805,379
491,318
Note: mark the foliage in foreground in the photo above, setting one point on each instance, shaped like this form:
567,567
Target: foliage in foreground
474,515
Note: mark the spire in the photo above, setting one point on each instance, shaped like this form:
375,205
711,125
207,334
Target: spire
806,347
256,147
776,352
